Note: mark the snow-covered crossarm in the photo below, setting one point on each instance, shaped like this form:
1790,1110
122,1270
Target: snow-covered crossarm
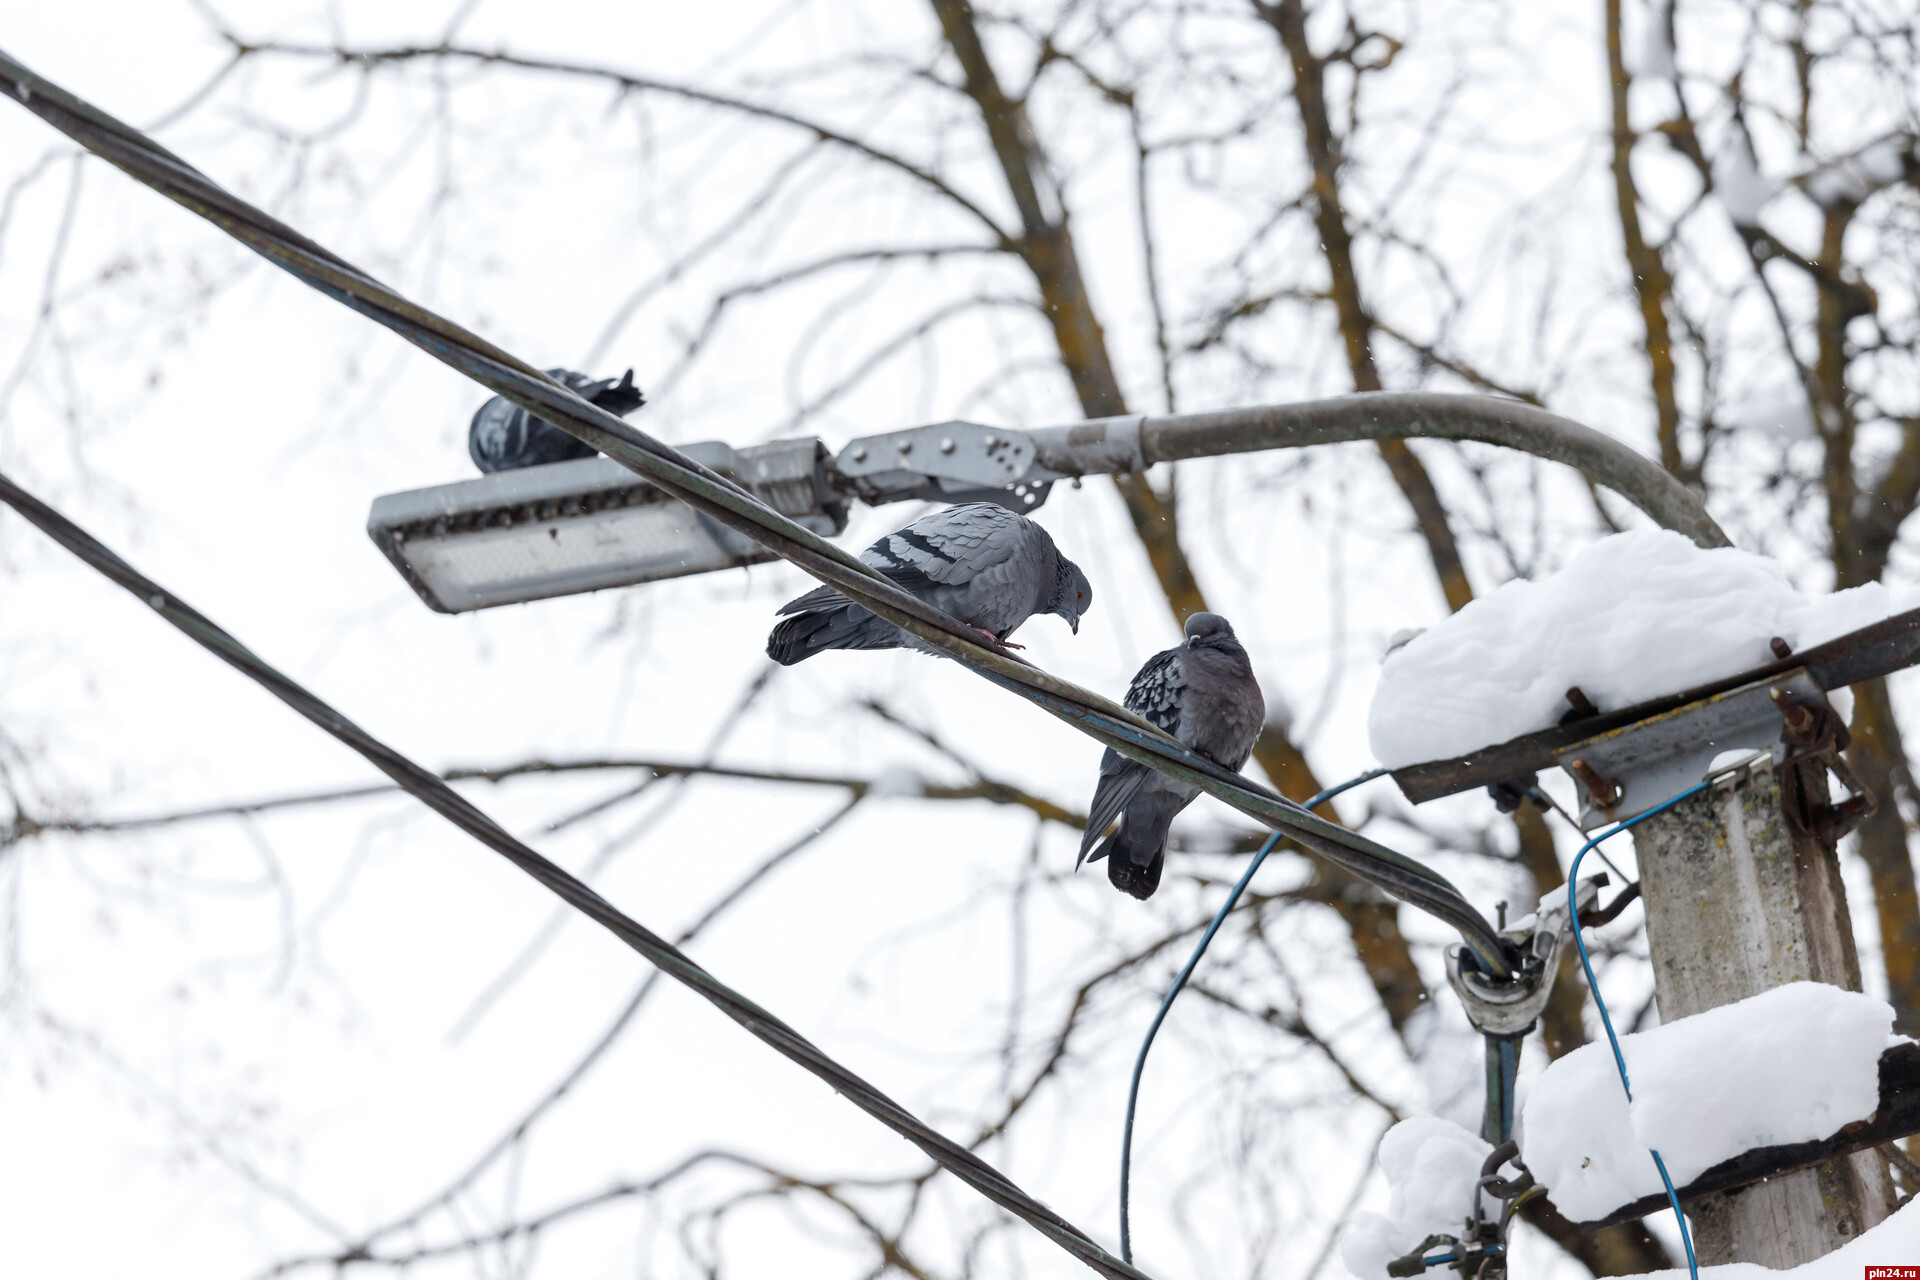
1896,1115
1791,1078
1643,623
1787,1078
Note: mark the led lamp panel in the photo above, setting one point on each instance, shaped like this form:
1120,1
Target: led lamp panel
585,525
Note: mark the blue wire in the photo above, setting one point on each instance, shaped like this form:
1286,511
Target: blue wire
1619,1059
1179,983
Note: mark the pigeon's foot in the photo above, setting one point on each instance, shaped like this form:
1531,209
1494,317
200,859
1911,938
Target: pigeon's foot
994,639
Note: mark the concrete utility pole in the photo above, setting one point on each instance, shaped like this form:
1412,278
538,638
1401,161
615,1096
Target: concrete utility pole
1743,894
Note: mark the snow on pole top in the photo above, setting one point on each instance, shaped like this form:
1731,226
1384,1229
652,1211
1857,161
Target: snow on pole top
1794,1064
1630,618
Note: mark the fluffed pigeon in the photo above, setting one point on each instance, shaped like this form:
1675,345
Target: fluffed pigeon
1204,694
505,437
989,567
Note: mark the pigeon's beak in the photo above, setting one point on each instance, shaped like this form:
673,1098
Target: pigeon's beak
1074,623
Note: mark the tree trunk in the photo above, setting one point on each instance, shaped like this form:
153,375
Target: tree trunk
1289,20
1879,759
1652,284
1047,247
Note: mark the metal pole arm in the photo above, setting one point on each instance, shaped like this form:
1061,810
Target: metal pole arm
969,462
1404,415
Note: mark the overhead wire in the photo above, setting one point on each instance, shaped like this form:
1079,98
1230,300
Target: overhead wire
1173,993
732,506
728,503
462,813
1546,801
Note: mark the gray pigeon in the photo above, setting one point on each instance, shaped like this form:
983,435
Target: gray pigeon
989,567
1202,693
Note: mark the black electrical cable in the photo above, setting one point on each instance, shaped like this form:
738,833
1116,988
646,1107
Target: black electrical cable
682,478
462,812
1173,993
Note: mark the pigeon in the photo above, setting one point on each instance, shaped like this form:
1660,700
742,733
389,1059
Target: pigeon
505,437
989,567
1204,694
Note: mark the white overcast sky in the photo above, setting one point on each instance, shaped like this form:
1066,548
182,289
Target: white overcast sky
197,1014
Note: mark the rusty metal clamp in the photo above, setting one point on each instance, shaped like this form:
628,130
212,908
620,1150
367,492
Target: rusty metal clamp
1628,770
1814,736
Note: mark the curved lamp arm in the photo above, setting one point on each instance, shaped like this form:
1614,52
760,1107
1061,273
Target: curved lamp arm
1401,415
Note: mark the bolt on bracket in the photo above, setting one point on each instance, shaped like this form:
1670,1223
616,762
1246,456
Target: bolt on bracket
1627,771
966,462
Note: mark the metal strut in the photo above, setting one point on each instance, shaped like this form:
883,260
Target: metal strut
1503,1011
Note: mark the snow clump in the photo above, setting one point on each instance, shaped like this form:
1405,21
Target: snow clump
1656,45
1794,1064
1432,1167
1853,178
1743,190
1630,618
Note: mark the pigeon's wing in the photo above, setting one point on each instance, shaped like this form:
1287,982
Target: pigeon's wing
1154,695
948,556
817,598
1223,705
1159,688
899,561
950,547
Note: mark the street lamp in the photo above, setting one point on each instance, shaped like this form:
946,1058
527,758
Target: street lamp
560,528
582,525
585,524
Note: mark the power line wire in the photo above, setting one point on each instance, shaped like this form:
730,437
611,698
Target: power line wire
457,809
704,490
1173,993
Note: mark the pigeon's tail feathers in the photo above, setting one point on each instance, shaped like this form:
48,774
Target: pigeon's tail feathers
1138,881
618,398
1120,778
1136,852
813,601
842,625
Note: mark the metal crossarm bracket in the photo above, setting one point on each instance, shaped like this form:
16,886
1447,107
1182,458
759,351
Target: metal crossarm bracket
968,462
1897,1116
1889,645
946,462
1626,771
